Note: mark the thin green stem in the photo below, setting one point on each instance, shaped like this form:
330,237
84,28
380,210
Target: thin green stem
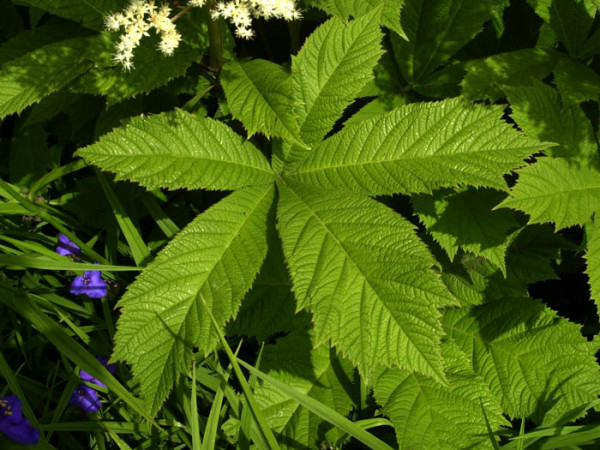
216,42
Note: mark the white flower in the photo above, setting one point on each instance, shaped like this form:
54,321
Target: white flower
142,15
136,20
113,21
240,13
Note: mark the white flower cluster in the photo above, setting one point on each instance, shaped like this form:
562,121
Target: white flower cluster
240,12
142,15
137,19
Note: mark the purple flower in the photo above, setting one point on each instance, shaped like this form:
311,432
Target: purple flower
66,247
13,424
90,284
112,368
86,398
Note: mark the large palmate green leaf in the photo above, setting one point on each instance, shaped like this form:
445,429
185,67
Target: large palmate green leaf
331,69
390,16
418,148
316,372
540,113
465,220
89,13
537,364
428,415
179,150
26,80
259,94
362,271
214,259
436,29
552,190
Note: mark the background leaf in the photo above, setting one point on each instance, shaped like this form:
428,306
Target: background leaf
539,111
26,80
429,415
435,30
537,364
486,78
90,13
152,69
465,220
317,372
551,190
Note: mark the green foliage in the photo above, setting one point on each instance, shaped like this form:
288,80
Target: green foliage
317,372
390,16
576,82
151,70
331,69
536,363
554,191
540,113
20,81
435,30
592,257
571,20
356,239
375,267
465,220
486,78
428,415
157,336
90,13
259,95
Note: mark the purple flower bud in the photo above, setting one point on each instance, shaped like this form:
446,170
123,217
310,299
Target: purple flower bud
66,247
90,284
112,368
13,424
86,398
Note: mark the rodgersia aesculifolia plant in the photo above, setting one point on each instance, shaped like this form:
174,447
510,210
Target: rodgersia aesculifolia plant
372,216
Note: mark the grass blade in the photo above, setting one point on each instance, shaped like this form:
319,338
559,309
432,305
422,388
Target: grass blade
60,263
68,347
322,411
256,412
139,250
